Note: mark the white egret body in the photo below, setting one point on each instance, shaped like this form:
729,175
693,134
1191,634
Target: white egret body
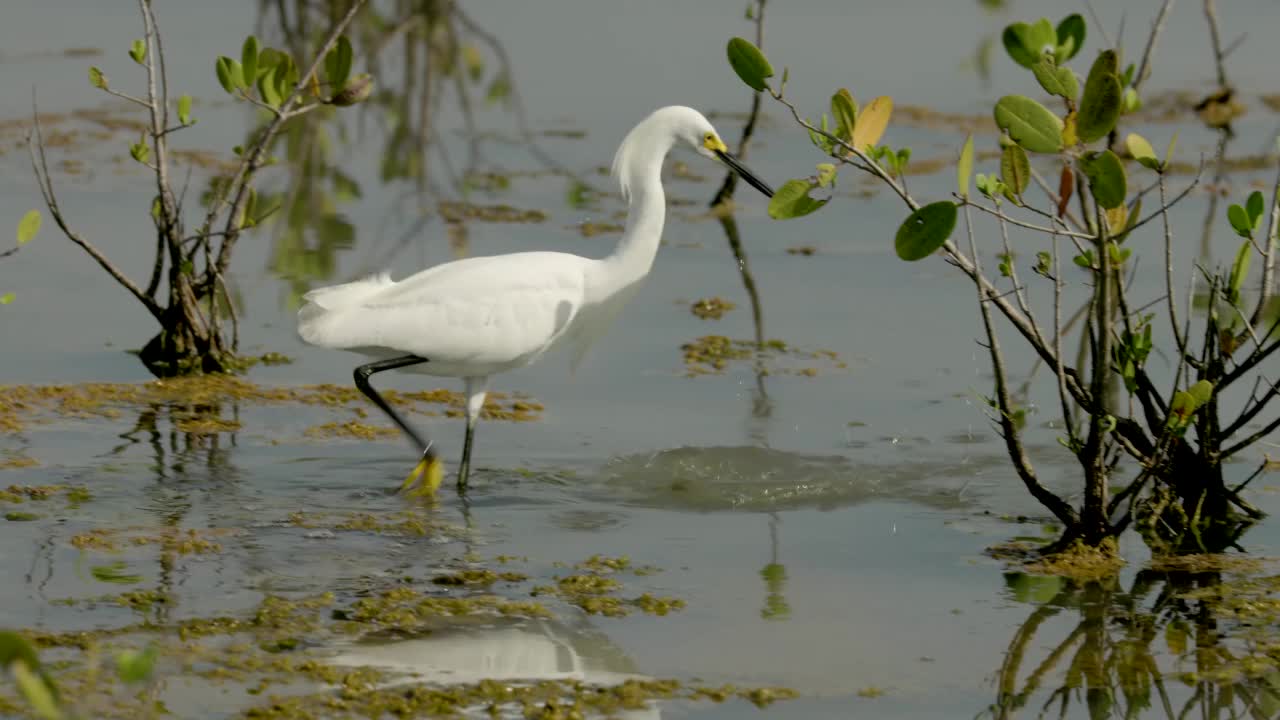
476,317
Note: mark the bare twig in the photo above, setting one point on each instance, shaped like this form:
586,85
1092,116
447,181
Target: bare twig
1059,507
40,165
1269,255
1057,344
1024,224
1168,271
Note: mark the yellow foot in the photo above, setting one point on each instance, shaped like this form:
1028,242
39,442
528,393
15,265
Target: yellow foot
425,478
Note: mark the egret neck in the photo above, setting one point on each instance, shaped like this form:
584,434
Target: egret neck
640,174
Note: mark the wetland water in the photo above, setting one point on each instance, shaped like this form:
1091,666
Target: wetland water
819,529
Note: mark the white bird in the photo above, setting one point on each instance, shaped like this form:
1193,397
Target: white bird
475,317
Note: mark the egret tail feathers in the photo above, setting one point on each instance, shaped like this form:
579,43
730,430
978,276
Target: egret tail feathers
321,304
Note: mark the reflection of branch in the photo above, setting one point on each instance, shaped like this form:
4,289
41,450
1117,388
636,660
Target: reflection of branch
731,178
517,106
1211,15
255,158
1144,68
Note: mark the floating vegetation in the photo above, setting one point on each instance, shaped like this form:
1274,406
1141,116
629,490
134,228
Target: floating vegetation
22,493
541,700
351,429
455,212
596,593
407,610
712,308
188,541
805,250
205,425
590,229
1077,561
712,354
199,400
400,523
477,577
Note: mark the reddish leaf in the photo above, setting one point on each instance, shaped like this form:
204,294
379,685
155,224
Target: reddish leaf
1065,187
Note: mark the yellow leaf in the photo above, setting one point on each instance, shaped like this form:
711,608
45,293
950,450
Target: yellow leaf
1118,218
872,121
1069,136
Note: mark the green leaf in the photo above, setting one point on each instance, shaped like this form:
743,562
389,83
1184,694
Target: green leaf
1100,106
1129,101
1071,33
267,59
7,298
792,200
223,68
28,226
1239,271
138,51
964,167
844,109
1015,169
826,175
1173,143
925,230
14,647
1027,43
337,64
249,61
1106,178
37,690
1239,219
1060,81
1142,151
1201,392
267,85
97,79
184,109
133,666
750,64
1254,205
114,573
140,151
1029,123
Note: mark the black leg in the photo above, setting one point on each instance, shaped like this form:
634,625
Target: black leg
464,468
362,374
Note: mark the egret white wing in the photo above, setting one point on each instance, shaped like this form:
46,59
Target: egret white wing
489,312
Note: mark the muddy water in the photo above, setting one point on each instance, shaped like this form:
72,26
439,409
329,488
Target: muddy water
823,524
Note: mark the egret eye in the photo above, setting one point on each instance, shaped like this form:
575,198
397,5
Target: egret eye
709,137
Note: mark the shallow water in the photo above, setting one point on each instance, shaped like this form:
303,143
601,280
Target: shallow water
825,532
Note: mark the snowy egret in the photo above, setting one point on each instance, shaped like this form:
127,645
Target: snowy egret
479,316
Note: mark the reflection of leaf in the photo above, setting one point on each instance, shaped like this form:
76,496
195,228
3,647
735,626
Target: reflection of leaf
344,186
499,89
337,233
1033,589
133,666
114,573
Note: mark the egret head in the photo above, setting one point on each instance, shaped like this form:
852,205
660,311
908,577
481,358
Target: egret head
643,148
704,139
